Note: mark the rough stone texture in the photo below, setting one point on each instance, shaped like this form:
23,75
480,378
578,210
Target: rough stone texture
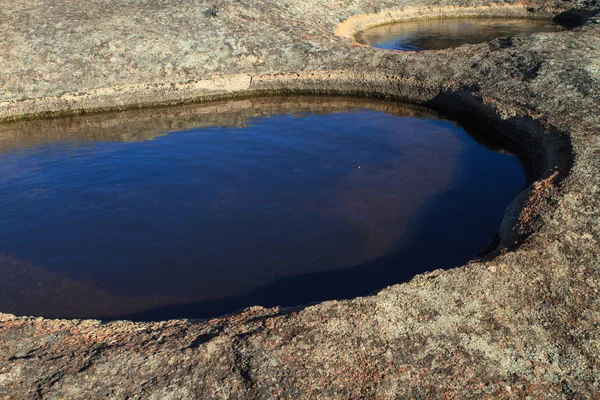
523,321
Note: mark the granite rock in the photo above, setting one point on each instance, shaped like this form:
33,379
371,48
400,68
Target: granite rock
521,322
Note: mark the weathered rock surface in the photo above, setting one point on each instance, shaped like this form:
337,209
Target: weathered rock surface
523,321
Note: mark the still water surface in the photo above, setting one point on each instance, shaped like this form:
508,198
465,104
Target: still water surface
437,34
270,201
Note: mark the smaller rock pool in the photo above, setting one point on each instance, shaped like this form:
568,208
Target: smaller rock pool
201,210
444,33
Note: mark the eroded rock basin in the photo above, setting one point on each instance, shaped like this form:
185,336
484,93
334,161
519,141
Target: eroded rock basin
279,201
444,33
521,322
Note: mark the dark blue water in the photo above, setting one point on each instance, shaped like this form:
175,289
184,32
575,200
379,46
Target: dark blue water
437,34
276,209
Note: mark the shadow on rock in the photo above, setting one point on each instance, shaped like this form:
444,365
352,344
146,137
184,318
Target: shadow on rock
575,17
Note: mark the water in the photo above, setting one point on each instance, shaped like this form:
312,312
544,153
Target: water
198,211
437,34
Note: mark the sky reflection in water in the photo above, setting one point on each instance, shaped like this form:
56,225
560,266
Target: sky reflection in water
274,201
438,34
